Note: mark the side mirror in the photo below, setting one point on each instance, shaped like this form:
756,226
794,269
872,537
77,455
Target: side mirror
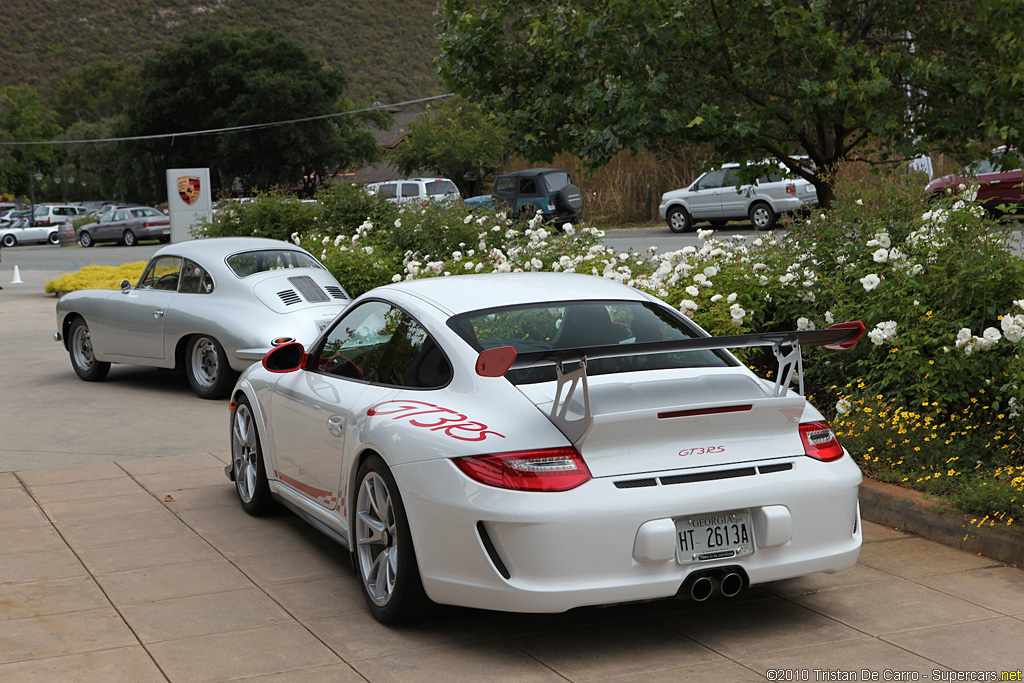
125,284
287,357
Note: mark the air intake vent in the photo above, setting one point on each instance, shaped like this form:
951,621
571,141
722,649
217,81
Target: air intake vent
780,467
492,552
289,297
309,289
635,483
708,476
335,292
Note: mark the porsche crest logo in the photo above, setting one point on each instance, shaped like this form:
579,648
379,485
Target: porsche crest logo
188,188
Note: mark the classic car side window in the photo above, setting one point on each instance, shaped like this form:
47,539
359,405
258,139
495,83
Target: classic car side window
380,343
195,279
162,273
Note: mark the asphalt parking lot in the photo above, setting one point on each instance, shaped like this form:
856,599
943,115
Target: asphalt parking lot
124,555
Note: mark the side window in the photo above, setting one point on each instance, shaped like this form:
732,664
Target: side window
387,190
712,179
731,179
379,343
528,187
505,186
410,190
162,273
195,279
119,216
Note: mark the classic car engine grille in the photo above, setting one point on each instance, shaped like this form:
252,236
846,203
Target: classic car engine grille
703,476
335,292
307,288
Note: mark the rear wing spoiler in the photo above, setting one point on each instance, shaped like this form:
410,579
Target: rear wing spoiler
785,345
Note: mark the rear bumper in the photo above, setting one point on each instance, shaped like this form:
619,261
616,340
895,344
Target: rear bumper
599,544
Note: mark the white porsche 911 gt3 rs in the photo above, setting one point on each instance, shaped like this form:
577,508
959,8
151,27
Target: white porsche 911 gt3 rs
535,442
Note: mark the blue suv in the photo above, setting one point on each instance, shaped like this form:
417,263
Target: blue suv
523,193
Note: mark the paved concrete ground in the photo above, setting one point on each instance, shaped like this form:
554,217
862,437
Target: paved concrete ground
124,555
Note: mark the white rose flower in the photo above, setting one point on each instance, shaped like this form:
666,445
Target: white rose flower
880,255
829,318
870,281
692,291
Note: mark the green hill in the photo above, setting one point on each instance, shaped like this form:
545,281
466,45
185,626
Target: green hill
387,48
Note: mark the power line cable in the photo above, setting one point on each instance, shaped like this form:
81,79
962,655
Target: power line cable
231,129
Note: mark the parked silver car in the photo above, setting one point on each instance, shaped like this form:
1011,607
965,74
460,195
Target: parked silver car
718,197
127,225
19,230
211,307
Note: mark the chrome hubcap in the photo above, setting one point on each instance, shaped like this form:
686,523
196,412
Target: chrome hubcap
376,549
244,452
205,362
81,346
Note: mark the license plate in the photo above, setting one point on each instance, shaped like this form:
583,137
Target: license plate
714,536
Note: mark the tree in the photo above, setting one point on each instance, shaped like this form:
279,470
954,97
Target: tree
23,118
456,140
220,80
830,79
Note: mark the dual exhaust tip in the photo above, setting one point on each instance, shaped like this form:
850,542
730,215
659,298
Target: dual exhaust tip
727,582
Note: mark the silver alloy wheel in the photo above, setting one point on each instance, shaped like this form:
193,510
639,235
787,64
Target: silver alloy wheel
376,538
205,362
244,453
81,348
761,216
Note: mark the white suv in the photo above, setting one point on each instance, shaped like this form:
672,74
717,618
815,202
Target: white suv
52,214
419,190
718,197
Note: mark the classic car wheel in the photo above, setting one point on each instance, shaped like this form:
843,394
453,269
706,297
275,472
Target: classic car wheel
80,349
129,238
250,472
678,220
207,368
762,216
385,558
53,238
9,240
85,239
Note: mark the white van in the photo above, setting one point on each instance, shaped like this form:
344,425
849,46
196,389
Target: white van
422,190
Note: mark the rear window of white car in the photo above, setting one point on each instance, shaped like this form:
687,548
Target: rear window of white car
248,263
436,187
582,324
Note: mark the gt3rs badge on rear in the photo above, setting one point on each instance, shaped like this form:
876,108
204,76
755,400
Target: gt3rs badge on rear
702,450
456,425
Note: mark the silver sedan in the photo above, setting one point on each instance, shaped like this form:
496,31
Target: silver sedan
211,307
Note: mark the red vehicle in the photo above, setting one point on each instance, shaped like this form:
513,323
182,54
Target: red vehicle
1000,182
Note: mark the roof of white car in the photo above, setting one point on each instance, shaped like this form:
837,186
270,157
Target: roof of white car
219,248
461,293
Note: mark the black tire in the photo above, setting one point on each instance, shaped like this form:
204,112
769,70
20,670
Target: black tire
248,469
678,220
80,350
54,238
570,199
128,237
207,368
9,240
761,215
85,239
382,547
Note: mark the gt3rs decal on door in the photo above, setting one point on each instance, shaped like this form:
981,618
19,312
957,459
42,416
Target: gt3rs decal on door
453,424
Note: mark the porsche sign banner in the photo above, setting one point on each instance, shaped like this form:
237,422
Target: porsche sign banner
188,199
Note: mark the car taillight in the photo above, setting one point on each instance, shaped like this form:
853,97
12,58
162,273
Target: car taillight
790,188
546,469
819,441
551,203
153,224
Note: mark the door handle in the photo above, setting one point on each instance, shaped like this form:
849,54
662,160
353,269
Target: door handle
158,314
336,425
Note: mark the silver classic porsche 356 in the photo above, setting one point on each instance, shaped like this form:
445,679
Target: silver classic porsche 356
211,307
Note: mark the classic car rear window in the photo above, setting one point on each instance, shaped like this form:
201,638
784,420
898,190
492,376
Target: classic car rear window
248,263
579,324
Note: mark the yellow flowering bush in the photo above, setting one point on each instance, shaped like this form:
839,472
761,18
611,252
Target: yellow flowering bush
96,277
